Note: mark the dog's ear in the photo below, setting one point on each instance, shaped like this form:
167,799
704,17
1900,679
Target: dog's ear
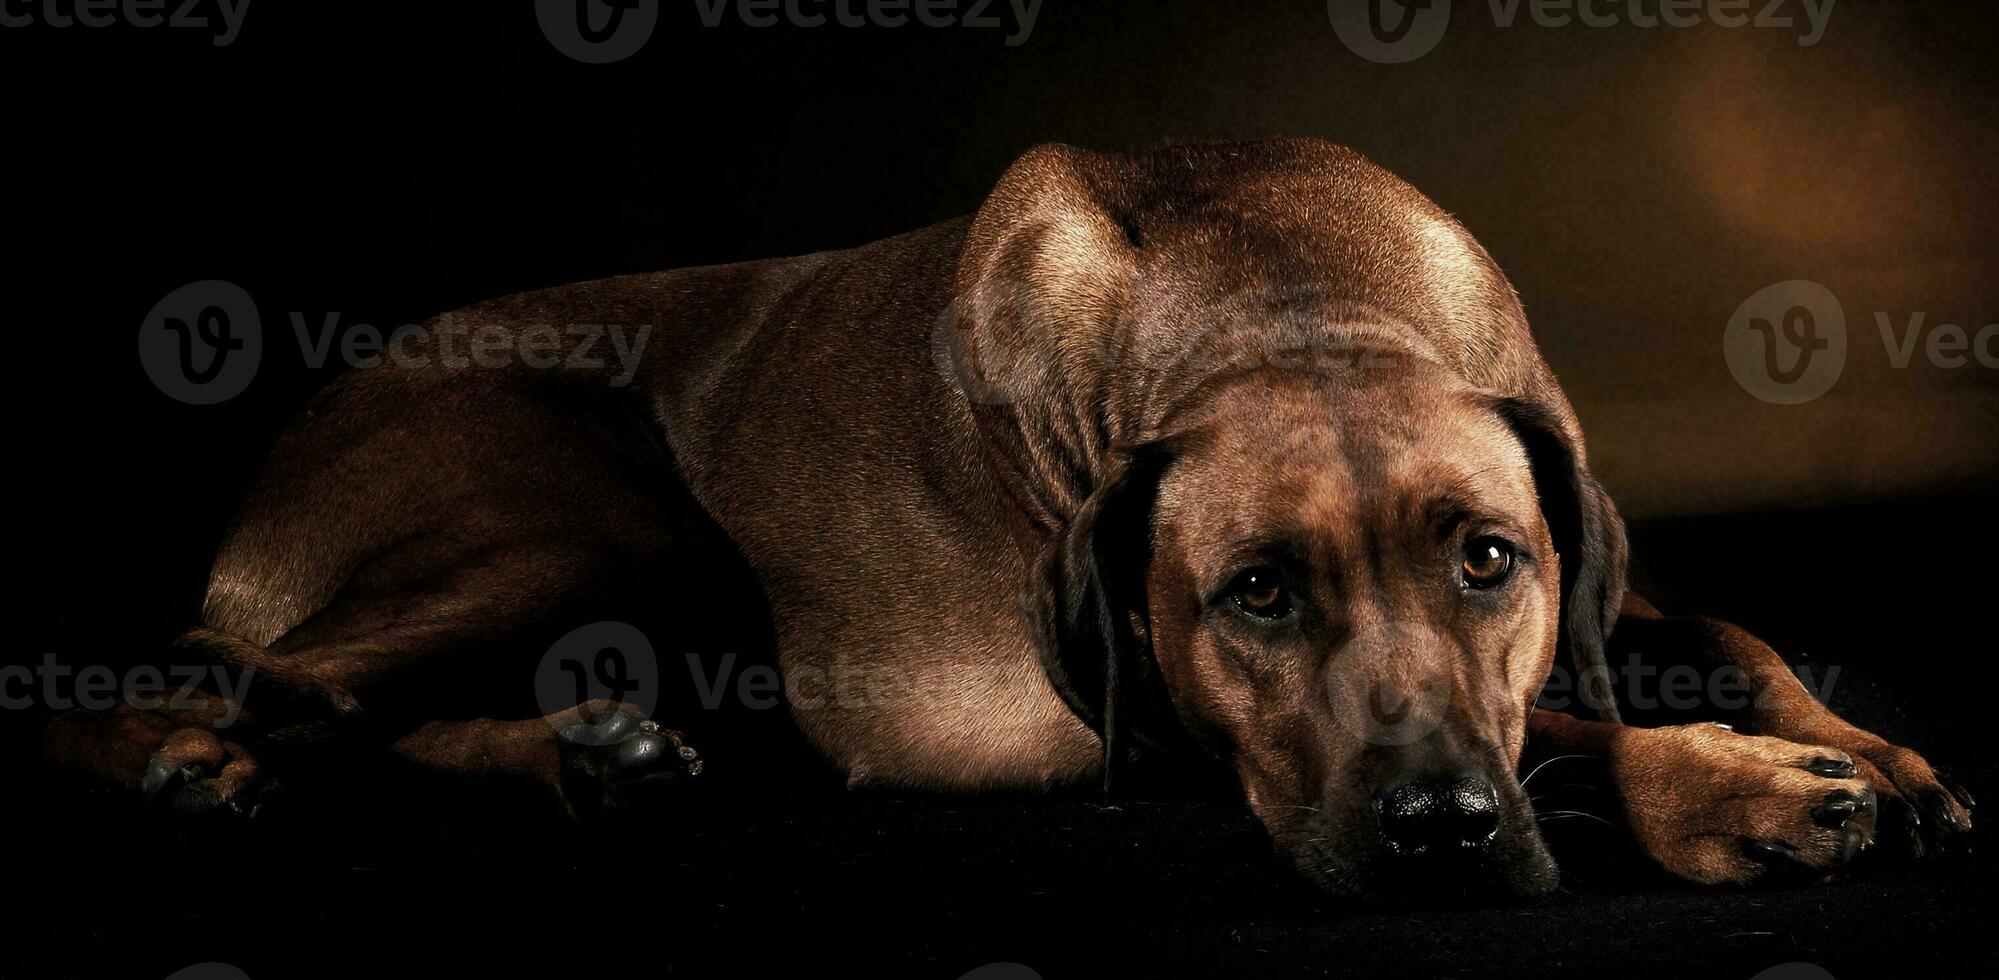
1091,608
1588,535
1045,271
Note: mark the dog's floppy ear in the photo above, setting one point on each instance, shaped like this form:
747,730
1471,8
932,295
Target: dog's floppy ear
1588,535
1095,627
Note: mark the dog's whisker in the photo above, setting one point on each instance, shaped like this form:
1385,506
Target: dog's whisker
1557,814
1545,763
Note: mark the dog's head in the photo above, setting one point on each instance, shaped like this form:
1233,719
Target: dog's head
1338,550
1351,592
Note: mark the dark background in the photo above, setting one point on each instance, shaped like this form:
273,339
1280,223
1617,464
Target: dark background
395,161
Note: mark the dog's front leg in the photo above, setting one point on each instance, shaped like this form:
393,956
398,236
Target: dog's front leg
1918,812
1717,806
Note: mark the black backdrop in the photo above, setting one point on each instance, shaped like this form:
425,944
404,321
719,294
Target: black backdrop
1637,184
390,162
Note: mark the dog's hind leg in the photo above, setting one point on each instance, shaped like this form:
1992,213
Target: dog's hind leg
376,671
585,760
418,541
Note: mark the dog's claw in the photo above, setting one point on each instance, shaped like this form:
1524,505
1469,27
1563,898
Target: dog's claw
1838,807
1957,790
1902,823
1937,802
162,778
1831,768
1779,857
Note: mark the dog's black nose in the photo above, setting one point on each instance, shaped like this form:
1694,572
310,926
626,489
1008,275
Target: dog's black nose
1438,816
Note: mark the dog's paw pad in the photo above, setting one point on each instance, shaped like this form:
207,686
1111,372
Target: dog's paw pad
620,758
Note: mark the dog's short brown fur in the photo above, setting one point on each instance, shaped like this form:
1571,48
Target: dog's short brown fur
1023,463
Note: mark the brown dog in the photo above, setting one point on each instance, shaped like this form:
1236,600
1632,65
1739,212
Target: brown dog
1243,451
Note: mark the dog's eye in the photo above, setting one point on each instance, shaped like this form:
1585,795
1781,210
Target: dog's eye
1487,562
1260,592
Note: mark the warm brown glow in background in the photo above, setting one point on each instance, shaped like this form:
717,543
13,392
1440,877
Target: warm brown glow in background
1637,185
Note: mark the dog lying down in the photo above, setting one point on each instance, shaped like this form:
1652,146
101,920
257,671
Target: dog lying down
1236,455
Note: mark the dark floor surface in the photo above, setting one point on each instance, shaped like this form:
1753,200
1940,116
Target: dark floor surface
836,883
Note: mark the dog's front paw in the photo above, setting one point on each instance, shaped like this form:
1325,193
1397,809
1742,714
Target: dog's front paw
1922,812
196,776
1717,807
613,757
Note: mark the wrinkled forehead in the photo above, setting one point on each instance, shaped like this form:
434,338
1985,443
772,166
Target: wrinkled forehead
1406,448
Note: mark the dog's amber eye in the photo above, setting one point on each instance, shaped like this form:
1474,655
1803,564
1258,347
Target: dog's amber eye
1487,562
1260,592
